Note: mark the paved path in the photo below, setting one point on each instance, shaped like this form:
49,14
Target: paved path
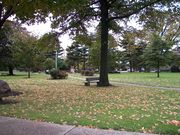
12,126
115,82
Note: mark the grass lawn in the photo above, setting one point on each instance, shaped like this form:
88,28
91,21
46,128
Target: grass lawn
166,79
70,102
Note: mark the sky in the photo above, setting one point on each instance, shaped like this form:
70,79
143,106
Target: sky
42,28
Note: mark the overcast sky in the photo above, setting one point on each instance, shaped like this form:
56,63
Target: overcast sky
42,28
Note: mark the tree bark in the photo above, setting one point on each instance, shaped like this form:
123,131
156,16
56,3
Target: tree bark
104,44
10,70
29,72
84,63
130,65
158,69
7,14
78,66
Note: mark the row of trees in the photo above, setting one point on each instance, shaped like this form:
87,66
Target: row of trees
20,50
76,16
130,52
149,47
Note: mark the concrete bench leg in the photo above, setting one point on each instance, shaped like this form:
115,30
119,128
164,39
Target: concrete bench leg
87,84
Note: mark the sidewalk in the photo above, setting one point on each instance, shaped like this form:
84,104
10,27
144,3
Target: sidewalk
13,126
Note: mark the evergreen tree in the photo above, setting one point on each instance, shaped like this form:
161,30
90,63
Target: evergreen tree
157,53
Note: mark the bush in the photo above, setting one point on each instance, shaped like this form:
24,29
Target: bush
49,63
54,73
62,74
62,65
87,72
58,74
175,69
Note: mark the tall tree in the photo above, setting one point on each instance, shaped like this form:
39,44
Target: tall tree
164,23
157,53
94,54
128,43
26,51
133,46
84,41
76,54
7,45
49,45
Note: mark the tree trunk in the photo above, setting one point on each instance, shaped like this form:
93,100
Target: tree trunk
6,15
84,63
130,66
10,70
78,66
158,69
104,44
29,72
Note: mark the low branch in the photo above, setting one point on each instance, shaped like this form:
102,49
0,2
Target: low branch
1,9
176,35
8,13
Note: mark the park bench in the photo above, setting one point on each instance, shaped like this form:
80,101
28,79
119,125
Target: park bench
91,80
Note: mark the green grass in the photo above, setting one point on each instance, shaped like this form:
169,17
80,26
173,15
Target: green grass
166,79
70,102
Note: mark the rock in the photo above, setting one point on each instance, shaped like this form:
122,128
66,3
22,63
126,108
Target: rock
4,87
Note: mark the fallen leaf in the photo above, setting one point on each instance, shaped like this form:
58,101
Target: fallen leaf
174,122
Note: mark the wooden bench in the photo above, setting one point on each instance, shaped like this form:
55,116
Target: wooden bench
91,80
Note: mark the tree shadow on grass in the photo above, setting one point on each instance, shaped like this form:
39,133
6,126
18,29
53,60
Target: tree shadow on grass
8,101
7,74
8,94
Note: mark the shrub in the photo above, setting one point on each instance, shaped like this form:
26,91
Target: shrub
49,63
64,67
175,69
61,64
58,74
87,72
62,74
54,73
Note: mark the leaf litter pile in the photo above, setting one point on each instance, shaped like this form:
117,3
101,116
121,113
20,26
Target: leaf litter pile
121,108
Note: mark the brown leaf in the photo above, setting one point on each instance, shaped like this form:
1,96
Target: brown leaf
174,122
